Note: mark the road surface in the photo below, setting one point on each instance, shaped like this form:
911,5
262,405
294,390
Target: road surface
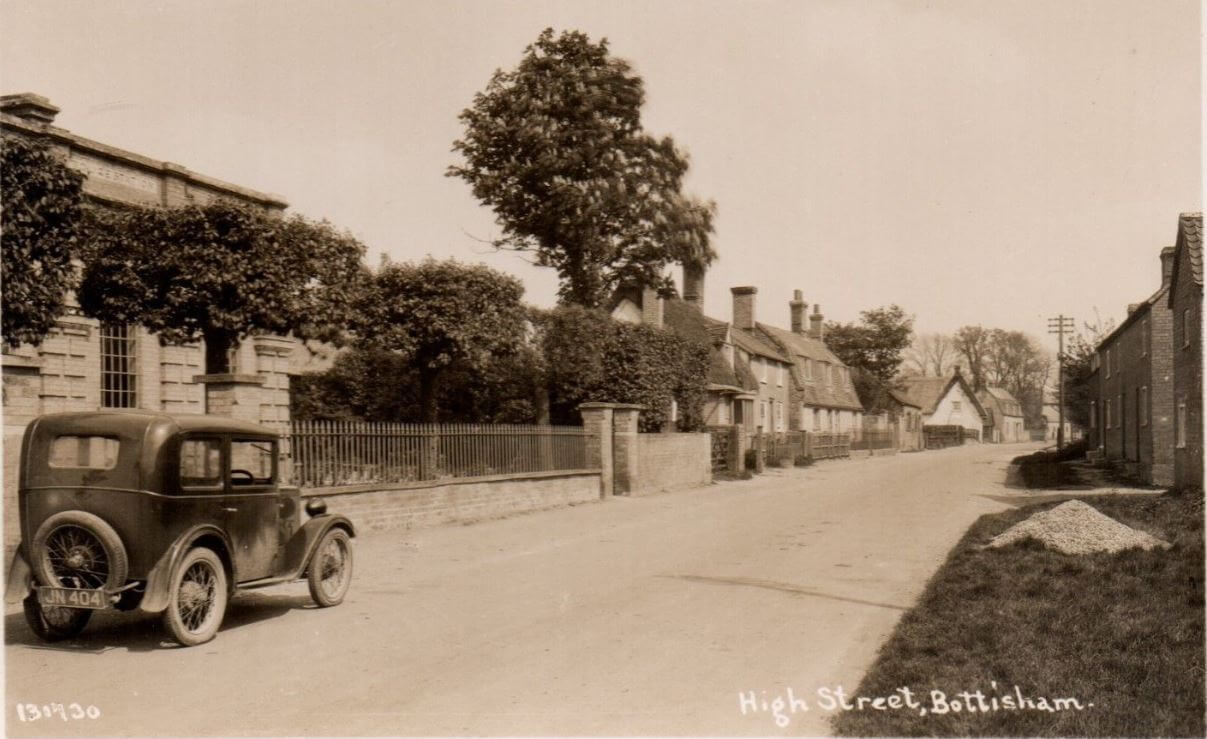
631,616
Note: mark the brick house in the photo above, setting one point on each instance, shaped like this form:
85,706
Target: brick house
1186,312
1005,423
822,396
947,401
771,367
1136,390
86,365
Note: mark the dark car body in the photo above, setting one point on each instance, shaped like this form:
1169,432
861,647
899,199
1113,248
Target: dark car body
166,483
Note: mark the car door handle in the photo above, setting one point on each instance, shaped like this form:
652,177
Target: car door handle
231,510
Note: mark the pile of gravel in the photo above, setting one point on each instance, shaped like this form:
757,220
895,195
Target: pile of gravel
1076,528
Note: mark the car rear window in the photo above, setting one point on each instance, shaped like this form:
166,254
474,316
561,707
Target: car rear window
72,451
201,462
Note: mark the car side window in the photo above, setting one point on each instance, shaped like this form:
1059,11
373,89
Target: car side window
253,462
201,462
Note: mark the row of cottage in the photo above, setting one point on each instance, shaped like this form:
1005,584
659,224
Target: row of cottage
769,379
1146,406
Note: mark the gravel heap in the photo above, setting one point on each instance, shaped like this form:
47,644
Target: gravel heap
1076,528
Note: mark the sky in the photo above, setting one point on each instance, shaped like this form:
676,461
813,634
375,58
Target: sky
974,162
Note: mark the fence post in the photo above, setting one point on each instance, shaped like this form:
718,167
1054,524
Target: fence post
737,450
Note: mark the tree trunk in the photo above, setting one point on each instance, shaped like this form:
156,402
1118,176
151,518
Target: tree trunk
217,351
428,384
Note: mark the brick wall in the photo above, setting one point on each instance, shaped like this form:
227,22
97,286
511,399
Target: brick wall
457,501
1187,362
672,462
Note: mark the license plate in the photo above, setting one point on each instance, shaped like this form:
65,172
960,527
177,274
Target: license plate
72,598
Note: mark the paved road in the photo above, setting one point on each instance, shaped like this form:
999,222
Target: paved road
633,616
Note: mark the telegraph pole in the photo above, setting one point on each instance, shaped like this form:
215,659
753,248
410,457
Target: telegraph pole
1059,325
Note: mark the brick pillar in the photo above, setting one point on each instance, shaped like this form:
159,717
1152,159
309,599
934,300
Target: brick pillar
737,449
233,396
597,427
624,447
760,450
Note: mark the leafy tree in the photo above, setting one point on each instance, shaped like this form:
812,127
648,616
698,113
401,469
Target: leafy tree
876,344
441,315
220,272
1019,364
591,357
41,218
378,385
556,148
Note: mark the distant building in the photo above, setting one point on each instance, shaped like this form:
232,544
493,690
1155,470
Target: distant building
1135,399
1005,423
1051,413
947,401
1186,308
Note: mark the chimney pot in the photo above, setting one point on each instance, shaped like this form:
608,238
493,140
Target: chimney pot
743,306
651,307
29,106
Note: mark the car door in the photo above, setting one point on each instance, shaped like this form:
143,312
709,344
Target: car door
252,506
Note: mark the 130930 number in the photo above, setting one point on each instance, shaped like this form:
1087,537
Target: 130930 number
27,712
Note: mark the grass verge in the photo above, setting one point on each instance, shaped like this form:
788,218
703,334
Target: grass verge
1122,631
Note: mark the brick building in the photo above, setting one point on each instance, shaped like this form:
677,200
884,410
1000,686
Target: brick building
1186,309
85,365
1135,399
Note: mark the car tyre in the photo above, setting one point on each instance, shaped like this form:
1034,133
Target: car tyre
330,572
76,549
196,598
54,623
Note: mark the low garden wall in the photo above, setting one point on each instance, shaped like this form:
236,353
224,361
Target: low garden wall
457,500
672,462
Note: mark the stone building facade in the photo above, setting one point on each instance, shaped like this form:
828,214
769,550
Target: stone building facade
86,365
1136,388
1186,309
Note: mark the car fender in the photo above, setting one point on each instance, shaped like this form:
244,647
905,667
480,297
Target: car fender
155,596
20,578
305,540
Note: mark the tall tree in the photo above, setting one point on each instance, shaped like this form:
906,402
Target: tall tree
441,315
556,148
1019,364
876,344
220,272
933,355
972,343
40,224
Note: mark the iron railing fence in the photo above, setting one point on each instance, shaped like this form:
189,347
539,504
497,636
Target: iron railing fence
334,453
875,439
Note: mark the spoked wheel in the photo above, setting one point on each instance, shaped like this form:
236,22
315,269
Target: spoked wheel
330,572
197,599
54,623
74,549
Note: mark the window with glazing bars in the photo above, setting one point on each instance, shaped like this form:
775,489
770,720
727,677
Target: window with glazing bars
119,368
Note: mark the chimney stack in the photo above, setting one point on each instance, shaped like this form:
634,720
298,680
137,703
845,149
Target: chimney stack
1131,308
743,306
693,285
1167,265
651,307
815,327
798,309
31,107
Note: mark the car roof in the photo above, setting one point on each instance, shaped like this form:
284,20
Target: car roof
133,421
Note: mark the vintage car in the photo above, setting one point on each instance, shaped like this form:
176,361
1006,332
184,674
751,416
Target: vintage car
164,513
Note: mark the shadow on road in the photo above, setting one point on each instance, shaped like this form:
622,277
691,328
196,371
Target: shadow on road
136,631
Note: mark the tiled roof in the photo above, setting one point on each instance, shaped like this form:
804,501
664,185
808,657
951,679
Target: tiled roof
816,392
902,398
752,343
997,401
1189,252
685,320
